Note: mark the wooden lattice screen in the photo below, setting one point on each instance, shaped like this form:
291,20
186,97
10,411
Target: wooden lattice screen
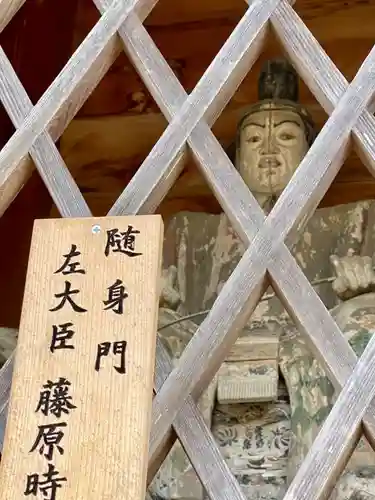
267,238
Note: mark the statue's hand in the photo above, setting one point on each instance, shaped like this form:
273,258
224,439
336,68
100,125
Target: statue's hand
168,294
354,276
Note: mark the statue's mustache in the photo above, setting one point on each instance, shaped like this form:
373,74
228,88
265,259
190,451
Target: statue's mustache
270,161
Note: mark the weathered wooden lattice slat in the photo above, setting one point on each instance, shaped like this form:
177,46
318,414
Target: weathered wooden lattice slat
322,76
55,174
8,9
266,237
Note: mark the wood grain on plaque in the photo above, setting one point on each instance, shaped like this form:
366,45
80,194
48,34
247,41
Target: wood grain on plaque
86,343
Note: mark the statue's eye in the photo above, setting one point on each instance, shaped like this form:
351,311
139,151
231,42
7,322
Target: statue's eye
286,137
253,139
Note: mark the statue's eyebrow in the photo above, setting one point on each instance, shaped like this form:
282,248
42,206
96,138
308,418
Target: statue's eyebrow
249,124
287,121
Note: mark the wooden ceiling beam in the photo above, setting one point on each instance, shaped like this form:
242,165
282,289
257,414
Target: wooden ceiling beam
122,91
169,13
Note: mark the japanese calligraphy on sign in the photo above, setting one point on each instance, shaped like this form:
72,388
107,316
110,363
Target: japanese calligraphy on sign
122,241
79,329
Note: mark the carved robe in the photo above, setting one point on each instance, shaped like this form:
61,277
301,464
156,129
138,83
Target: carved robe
264,443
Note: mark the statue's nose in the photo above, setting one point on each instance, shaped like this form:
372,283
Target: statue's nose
269,147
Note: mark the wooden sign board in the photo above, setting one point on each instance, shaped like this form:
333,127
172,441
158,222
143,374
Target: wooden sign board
80,409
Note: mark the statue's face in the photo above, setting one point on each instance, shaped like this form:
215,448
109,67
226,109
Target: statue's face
272,145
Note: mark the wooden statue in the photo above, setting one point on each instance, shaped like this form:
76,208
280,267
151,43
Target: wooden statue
263,425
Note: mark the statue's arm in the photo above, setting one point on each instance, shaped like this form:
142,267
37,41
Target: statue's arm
169,296
355,274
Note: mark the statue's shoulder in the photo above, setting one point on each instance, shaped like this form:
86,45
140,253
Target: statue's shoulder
345,220
191,221
345,211
199,229
189,232
341,229
205,249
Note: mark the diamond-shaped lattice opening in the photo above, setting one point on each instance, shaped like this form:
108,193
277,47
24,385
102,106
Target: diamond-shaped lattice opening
348,45
121,90
190,46
37,45
191,193
104,153
353,183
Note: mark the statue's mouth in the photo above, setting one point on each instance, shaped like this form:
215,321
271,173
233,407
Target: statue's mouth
269,162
